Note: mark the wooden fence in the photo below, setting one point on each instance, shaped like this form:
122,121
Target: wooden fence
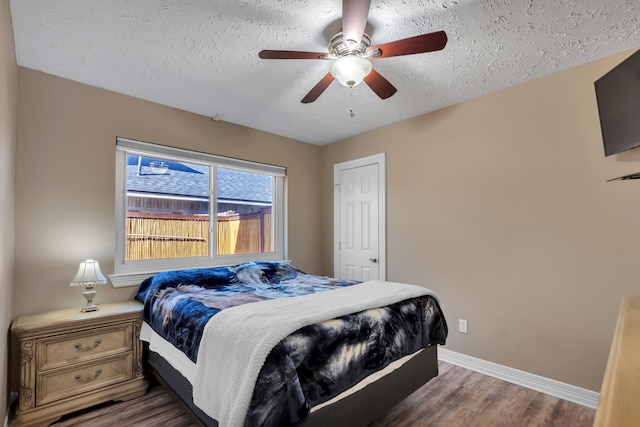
152,235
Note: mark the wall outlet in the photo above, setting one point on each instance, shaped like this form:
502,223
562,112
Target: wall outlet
462,326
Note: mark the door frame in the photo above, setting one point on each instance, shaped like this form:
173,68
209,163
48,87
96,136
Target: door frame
380,160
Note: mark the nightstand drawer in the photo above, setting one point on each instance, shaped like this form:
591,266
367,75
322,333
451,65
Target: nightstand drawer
59,384
69,349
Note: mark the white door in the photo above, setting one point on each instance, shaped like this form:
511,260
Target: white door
359,219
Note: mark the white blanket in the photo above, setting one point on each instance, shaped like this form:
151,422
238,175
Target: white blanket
230,357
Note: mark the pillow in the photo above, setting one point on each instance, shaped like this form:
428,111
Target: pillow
204,277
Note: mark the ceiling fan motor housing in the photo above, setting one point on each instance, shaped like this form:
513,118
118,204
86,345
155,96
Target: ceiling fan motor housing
338,47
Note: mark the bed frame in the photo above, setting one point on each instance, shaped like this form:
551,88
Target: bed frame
356,410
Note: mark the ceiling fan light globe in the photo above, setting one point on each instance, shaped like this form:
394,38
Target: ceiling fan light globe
350,70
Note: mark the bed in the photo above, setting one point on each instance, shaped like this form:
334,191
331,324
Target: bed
264,344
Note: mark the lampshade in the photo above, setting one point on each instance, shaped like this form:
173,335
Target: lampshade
350,70
89,274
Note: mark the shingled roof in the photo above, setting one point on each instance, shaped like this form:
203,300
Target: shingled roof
192,180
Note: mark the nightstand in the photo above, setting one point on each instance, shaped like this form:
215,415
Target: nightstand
72,360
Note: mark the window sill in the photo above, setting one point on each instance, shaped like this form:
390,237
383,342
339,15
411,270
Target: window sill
129,279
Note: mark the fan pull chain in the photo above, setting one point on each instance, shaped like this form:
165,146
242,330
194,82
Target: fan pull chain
351,113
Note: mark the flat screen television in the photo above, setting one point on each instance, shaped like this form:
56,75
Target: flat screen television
618,96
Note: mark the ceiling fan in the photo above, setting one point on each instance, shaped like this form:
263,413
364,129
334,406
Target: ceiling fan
351,53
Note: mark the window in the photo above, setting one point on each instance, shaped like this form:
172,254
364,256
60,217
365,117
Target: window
182,209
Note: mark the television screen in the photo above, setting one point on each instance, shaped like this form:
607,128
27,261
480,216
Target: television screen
618,96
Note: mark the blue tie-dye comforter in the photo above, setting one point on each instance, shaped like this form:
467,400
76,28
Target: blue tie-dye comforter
308,367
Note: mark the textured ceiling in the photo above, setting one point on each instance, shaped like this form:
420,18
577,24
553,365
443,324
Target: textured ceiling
202,56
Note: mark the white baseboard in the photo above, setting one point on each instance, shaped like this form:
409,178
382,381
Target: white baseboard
568,392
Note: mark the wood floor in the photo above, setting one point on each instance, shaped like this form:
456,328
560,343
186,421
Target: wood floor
457,397
460,397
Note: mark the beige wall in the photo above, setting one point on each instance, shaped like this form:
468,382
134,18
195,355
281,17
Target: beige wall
65,181
8,106
500,205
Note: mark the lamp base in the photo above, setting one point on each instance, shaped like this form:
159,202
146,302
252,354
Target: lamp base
89,294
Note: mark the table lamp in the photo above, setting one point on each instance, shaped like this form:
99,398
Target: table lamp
88,276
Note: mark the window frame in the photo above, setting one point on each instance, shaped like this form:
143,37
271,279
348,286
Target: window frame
131,273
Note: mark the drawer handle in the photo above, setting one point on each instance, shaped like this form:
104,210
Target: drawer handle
79,346
86,380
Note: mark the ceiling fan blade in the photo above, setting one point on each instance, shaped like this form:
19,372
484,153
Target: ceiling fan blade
354,21
290,54
418,44
318,89
379,85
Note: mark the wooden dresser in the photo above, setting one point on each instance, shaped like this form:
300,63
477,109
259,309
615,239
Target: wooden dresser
72,360
619,404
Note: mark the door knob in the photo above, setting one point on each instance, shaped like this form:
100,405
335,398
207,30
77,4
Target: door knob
374,259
